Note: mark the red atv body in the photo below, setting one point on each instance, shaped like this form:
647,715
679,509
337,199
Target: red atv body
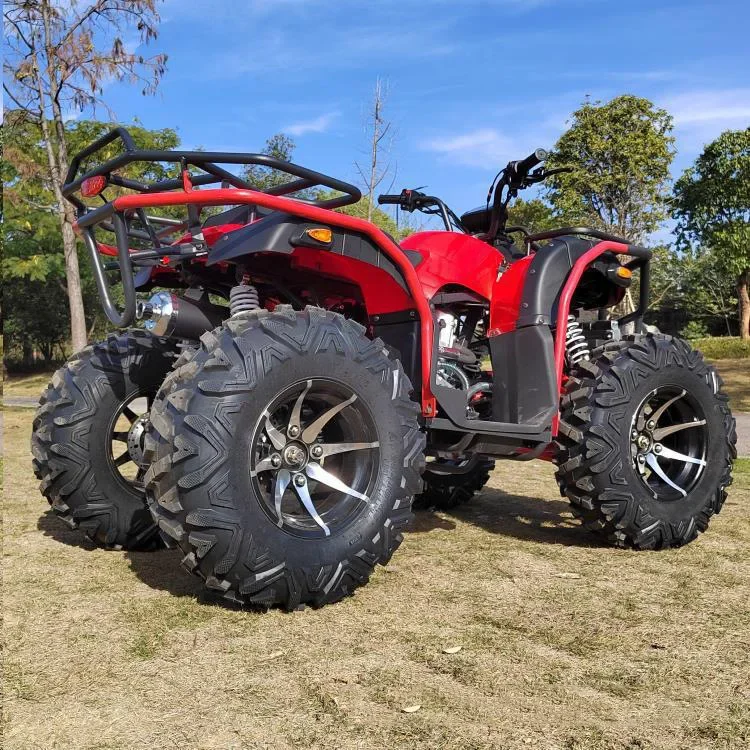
387,344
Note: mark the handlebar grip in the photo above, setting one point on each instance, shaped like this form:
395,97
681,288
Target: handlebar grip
386,198
526,165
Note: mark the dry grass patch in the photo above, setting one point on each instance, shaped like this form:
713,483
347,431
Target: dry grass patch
736,376
26,385
564,644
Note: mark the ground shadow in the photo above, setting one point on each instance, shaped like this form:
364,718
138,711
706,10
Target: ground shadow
54,527
532,519
162,570
158,569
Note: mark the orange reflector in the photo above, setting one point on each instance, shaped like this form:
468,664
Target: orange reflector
93,186
320,234
624,273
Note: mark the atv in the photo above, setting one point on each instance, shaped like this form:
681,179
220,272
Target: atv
298,377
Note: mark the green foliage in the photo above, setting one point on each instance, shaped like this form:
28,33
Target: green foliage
694,330
33,267
712,201
37,319
379,217
723,347
279,146
712,208
620,153
535,215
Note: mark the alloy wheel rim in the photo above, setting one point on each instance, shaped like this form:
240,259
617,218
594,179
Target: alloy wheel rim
668,442
314,458
127,436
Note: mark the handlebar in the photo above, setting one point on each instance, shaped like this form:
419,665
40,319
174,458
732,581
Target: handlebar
524,166
389,199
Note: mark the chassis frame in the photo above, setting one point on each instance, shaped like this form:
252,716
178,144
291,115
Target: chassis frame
528,439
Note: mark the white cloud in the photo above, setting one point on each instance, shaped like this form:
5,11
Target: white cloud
702,115
316,125
485,147
726,108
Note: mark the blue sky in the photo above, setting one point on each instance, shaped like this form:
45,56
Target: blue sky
472,83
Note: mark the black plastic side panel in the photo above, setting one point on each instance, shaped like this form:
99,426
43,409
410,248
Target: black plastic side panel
525,388
270,234
549,268
275,234
404,336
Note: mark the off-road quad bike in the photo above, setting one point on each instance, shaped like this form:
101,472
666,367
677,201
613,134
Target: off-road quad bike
279,410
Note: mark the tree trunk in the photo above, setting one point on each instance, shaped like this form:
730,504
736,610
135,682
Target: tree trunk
75,293
57,155
743,299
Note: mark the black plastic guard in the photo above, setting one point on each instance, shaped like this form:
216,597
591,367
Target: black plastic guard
549,268
524,383
271,234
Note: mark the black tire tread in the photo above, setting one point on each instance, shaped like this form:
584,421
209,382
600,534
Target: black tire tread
588,472
217,528
447,492
59,441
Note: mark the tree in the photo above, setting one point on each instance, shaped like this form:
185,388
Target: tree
364,210
378,129
33,264
535,215
279,146
620,153
59,55
712,208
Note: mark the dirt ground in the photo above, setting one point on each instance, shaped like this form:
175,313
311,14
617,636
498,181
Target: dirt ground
565,644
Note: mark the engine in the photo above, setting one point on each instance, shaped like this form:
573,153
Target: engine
461,348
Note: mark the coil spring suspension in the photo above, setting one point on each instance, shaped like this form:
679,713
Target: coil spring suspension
243,298
576,346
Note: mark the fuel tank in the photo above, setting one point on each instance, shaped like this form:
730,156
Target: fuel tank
453,258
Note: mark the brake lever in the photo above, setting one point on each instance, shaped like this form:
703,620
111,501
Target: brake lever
557,170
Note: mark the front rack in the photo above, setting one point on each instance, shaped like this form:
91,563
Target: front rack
134,224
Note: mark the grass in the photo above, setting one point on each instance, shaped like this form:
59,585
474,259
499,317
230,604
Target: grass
736,376
26,385
723,347
647,651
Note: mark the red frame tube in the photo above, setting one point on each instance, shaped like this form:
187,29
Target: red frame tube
228,196
563,308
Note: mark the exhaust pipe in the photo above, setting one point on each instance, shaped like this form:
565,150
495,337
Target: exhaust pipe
166,314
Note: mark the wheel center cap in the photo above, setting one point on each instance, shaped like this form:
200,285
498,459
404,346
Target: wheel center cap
295,456
136,436
643,442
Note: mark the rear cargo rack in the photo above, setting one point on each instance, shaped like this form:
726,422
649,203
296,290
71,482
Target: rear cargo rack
197,169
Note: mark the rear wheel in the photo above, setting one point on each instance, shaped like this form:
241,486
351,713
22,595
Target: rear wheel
646,442
449,484
89,433
285,456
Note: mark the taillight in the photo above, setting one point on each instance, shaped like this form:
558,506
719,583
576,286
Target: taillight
92,186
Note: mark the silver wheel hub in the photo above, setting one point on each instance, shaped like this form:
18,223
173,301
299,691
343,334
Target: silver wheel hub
136,437
295,456
661,418
298,457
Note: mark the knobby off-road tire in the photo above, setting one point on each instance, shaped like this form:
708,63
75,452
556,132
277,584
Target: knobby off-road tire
203,483
72,438
600,453
449,491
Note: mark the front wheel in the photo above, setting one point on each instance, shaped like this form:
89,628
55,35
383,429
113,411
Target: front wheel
285,455
646,442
